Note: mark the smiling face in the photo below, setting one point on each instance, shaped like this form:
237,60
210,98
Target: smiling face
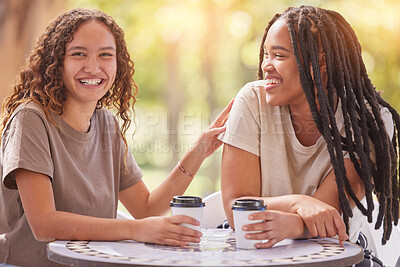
90,64
280,70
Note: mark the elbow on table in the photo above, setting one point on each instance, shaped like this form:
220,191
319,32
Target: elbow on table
42,232
43,236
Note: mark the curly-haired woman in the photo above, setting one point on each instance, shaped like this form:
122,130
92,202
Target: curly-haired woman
65,161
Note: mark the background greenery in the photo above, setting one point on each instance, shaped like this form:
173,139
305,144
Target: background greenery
192,56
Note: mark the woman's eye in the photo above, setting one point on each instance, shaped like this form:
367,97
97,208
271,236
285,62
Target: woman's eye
106,55
80,54
274,55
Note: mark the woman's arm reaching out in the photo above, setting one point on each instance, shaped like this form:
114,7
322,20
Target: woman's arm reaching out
141,203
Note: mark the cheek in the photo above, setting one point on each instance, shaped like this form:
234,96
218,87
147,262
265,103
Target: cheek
113,74
65,75
68,74
292,79
112,70
70,68
295,74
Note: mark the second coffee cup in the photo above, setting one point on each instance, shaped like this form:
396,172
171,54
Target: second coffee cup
190,206
242,208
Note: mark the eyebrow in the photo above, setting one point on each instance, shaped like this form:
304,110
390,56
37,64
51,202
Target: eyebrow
84,48
278,47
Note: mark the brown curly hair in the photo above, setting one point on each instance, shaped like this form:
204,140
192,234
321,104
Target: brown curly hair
41,80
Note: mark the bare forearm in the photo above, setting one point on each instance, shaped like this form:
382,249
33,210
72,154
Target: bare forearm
175,184
160,230
65,226
328,192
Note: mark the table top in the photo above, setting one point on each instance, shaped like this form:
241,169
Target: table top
217,248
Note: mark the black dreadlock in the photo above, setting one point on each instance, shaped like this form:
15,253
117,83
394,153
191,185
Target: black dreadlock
313,28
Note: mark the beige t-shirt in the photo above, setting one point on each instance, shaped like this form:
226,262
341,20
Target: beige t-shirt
86,169
287,167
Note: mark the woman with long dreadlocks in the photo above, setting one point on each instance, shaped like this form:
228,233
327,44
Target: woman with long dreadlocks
311,137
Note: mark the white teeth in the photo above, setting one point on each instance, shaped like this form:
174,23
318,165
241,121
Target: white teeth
272,81
91,81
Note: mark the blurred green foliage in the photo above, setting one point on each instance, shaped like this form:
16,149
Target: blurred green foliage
192,56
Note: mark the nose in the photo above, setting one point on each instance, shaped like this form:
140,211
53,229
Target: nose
92,65
267,65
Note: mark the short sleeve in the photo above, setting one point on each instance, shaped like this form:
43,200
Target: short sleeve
25,144
243,128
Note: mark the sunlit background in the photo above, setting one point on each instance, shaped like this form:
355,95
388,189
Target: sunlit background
192,56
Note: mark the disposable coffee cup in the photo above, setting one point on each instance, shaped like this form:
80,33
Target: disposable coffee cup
242,208
190,206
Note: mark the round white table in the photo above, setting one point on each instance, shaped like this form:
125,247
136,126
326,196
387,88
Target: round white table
217,248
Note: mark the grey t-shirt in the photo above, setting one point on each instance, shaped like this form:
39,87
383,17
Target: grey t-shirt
87,171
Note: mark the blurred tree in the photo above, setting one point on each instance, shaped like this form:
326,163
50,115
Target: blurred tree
208,54
21,22
174,103
192,56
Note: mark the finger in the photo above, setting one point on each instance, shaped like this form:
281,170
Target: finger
266,215
177,219
269,244
261,226
321,229
259,236
223,116
172,242
341,229
331,229
312,229
183,237
183,230
216,131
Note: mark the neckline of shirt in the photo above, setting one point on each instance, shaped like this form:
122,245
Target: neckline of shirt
76,134
290,130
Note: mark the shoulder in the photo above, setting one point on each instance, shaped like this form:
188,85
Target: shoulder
252,96
251,90
31,107
27,119
28,113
